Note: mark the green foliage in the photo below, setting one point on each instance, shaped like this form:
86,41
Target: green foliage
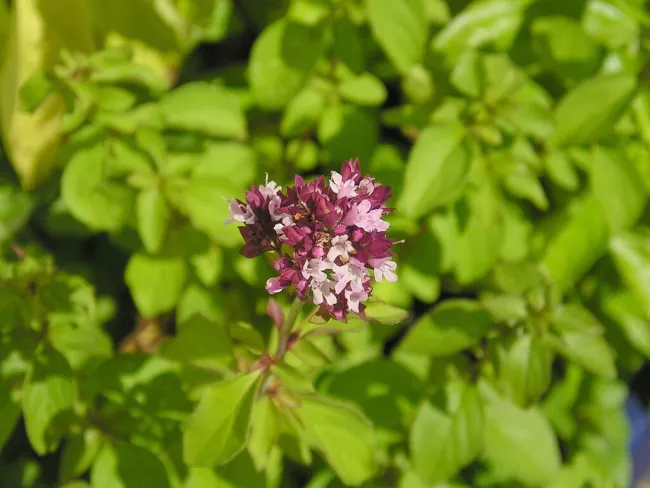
138,347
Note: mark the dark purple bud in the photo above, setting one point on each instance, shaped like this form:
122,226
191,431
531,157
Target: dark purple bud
282,263
379,244
357,234
293,235
255,199
351,170
274,311
380,196
326,211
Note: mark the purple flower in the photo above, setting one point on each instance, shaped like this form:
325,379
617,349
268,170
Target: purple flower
330,237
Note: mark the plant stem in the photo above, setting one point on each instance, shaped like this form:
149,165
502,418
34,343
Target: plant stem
283,338
287,327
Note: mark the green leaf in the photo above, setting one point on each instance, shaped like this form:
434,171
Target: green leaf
344,437
632,257
507,84
127,158
618,186
383,313
420,266
231,161
115,99
293,439
218,429
365,89
580,121
309,12
245,334
9,411
202,200
582,340
48,399
281,60
613,23
200,342
265,429
401,29
125,465
528,118
625,311
510,432
437,11
577,473
468,76
521,182
15,208
205,108
525,369
31,140
347,131
4,26
564,47
481,233
35,90
239,473
153,217
199,299
211,20
76,484
517,230
418,85
578,242
93,199
83,346
79,453
153,144
347,44
156,283
131,73
494,22
387,393
437,169
447,433
449,328
303,111
561,171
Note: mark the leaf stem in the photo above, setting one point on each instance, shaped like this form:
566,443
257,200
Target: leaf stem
283,339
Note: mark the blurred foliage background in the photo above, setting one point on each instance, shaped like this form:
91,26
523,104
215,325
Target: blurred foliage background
516,137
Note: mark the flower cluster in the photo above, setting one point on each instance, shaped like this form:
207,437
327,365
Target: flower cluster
330,238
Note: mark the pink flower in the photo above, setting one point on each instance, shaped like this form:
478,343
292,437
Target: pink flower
383,268
270,189
240,213
315,269
353,274
330,237
366,185
342,247
273,285
354,298
323,292
365,218
286,222
274,208
343,189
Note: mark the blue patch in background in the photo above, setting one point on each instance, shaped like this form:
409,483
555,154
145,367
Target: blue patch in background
639,438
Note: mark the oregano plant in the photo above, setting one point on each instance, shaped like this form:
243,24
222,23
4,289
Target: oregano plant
324,243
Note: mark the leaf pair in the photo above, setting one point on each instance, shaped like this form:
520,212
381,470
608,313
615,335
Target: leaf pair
220,427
